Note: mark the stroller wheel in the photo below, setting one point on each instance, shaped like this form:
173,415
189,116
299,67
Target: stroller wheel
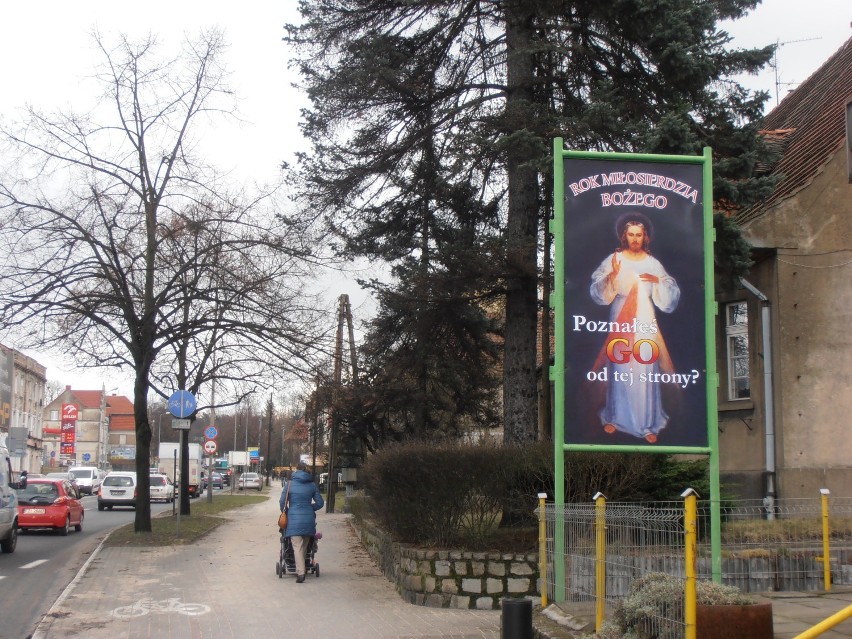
278,569
316,569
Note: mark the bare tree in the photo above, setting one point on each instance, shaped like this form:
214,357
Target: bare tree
120,247
236,310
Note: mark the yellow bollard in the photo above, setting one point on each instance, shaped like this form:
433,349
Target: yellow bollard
690,524
600,559
826,550
542,548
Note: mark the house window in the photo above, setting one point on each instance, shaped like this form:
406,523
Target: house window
54,415
736,336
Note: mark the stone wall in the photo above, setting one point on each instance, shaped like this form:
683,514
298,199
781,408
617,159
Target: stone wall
451,578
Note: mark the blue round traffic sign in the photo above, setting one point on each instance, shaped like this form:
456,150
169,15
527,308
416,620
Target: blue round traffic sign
210,432
86,456
182,404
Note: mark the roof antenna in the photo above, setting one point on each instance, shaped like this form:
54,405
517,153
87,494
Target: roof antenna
774,65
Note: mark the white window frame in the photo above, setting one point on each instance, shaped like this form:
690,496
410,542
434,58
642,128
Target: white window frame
736,330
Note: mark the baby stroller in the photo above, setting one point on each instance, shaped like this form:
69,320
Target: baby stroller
286,564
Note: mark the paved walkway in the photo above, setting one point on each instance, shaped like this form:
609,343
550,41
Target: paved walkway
225,587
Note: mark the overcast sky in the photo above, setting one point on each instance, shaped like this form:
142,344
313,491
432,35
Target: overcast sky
47,52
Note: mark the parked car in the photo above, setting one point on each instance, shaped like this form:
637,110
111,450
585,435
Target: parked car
216,480
162,488
49,503
250,480
117,489
87,478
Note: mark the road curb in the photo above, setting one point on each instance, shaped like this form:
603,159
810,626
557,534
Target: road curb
47,620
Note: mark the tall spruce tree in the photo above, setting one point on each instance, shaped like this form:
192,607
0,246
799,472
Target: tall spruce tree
484,85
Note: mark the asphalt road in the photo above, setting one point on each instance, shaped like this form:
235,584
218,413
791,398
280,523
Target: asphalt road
44,563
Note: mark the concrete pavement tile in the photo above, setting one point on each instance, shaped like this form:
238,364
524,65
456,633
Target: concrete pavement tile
225,587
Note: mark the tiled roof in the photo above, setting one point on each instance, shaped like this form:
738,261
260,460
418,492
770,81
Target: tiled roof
808,127
122,423
119,405
88,398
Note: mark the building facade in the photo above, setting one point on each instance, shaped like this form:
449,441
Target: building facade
121,444
77,429
22,390
783,339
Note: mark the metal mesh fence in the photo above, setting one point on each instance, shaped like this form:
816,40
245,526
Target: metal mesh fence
639,539
765,548
779,548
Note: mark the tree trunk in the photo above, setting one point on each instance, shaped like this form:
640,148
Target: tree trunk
142,520
520,397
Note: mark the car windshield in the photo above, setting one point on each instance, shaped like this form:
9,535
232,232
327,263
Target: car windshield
118,481
47,492
81,474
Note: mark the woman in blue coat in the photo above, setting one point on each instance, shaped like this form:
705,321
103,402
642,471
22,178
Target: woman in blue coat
304,500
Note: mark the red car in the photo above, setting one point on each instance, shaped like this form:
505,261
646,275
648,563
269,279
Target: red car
49,503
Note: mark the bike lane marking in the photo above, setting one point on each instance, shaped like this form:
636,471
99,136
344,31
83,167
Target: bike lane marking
144,606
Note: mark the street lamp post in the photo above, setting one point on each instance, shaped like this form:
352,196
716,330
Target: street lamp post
159,429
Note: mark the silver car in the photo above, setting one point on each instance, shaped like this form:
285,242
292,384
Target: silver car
250,480
162,488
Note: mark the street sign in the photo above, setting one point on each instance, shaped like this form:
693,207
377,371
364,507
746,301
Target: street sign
182,404
87,457
209,447
210,432
181,424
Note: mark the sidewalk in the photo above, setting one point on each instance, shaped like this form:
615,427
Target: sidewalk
795,612
225,587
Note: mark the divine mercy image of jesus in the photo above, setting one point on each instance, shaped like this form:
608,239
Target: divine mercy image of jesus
635,285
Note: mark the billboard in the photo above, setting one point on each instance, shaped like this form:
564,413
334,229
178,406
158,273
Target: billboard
633,278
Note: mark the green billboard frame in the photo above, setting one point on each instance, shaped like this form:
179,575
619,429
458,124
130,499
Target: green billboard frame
557,370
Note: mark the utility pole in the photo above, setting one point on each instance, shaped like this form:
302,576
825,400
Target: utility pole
269,439
311,416
212,423
344,314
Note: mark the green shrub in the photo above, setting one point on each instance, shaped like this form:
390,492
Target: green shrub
449,493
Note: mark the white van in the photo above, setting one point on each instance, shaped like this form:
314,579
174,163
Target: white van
9,502
87,478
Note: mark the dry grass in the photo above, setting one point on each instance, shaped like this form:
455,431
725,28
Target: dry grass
204,518
783,530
